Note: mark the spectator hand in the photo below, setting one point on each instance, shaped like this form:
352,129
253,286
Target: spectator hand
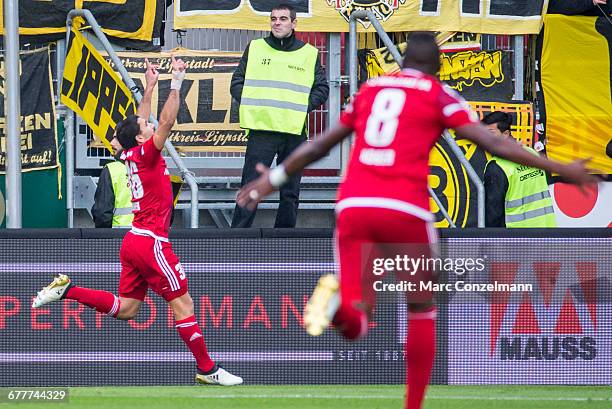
253,193
151,73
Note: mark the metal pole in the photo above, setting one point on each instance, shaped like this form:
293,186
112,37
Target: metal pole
352,46
353,85
334,103
69,129
519,61
333,71
441,207
12,109
186,174
69,136
472,175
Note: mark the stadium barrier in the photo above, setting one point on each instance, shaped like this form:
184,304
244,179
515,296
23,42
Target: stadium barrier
249,288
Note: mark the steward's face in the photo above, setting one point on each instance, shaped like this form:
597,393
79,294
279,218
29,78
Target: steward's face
495,130
117,148
281,23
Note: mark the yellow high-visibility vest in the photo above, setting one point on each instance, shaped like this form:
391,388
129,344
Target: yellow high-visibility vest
528,202
122,213
277,88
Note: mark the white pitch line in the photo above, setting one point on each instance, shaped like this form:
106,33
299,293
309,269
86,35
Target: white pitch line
369,397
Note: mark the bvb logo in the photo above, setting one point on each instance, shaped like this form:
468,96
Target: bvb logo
382,9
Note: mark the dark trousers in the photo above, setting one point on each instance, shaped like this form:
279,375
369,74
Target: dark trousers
262,147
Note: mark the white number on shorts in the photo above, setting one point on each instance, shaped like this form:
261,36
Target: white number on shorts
384,117
135,182
179,269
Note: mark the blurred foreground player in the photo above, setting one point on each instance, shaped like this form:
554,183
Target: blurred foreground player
147,259
384,198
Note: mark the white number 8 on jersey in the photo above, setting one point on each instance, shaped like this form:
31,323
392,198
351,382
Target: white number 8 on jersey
384,117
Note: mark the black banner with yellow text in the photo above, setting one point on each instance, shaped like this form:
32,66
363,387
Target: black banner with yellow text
476,16
38,140
132,23
476,75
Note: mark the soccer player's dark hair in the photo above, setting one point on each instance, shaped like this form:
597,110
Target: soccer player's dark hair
502,119
284,6
422,53
127,130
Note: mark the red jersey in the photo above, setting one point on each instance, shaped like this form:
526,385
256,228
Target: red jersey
397,121
151,190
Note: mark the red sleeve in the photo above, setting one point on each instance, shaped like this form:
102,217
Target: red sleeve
454,110
149,152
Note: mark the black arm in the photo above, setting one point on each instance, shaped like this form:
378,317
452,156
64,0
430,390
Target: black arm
238,77
496,186
320,88
104,201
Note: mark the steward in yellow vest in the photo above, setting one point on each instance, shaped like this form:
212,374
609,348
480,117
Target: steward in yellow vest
113,198
516,195
278,81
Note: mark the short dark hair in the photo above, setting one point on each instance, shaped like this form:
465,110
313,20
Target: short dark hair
502,119
284,6
126,132
422,52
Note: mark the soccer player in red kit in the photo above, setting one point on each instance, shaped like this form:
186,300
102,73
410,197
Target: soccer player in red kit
384,199
147,259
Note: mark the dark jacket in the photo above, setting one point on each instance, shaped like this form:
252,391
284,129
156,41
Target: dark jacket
496,186
572,7
320,89
104,200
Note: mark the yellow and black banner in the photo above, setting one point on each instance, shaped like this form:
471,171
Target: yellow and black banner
476,75
451,41
449,180
475,16
208,116
129,23
576,81
93,90
38,126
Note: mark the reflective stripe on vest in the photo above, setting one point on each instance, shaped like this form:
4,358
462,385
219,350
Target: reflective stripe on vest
279,104
527,202
527,199
531,214
122,214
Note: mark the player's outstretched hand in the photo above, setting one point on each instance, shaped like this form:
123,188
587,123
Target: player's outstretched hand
178,65
151,73
253,193
578,174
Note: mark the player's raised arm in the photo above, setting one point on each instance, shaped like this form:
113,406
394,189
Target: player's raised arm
151,77
171,107
575,172
303,156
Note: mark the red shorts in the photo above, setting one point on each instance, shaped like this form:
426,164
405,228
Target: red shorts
366,237
148,262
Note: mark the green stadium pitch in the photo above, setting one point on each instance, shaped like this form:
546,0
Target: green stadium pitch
334,397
